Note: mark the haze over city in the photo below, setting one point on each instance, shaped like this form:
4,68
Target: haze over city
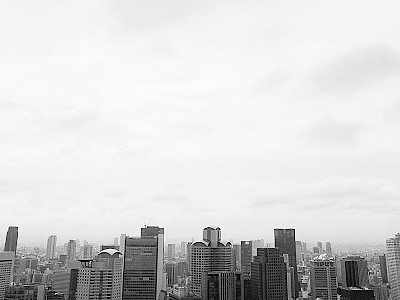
247,115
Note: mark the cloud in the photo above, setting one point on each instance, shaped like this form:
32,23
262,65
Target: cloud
330,131
356,69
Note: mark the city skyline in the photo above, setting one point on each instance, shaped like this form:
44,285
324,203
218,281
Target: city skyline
118,114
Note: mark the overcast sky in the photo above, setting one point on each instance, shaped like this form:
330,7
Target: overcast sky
248,115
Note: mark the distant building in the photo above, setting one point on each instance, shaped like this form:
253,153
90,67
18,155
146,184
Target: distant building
11,239
323,278
71,250
6,271
268,275
172,274
329,249
170,252
354,271
143,264
88,251
285,240
319,245
246,256
51,247
299,251
209,255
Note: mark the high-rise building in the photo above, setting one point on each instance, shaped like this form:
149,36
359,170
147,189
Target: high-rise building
11,239
183,249
304,247
257,244
393,265
383,267
218,286
88,251
208,255
51,247
299,251
237,261
323,278
285,240
65,282
268,275
329,249
143,264
6,267
354,272
246,248
172,274
101,278
319,245
71,250
170,252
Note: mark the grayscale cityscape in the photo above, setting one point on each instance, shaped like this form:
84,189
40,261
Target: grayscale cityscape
200,149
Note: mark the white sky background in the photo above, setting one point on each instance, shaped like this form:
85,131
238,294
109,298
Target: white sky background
248,115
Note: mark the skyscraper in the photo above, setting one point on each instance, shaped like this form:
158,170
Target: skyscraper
208,255
393,265
101,278
6,267
268,275
71,250
354,271
170,252
143,264
285,240
51,247
246,248
323,278
382,263
218,286
319,245
11,239
329,249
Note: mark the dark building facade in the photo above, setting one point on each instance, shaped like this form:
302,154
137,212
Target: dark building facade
285,240
246,248
218,286
11,239
383,267
356,294
268,275
354,272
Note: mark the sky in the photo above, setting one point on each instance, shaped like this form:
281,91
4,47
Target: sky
247,115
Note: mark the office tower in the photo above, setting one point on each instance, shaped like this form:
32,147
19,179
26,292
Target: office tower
239,283
65,282
181,269
246,248
170,252
115,241
285,240
316,251
6,267
51,247
329,249
268,275
88,251
218,286
299,250
356,293
319,245
172,274
183,249
393,265
101,278
71,250
304,247
237,257
323,278
354,272
382,263
11,239
257,244
143,264
208,255
289,276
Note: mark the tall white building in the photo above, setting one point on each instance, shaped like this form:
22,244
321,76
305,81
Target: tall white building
101,278
393,265
6,267
208,255
51,247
